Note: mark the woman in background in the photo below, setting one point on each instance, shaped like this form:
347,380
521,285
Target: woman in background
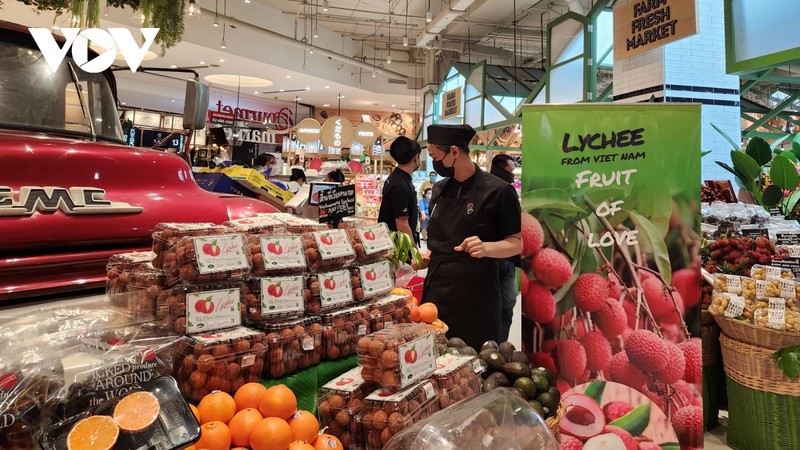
335,176
424,214
296,180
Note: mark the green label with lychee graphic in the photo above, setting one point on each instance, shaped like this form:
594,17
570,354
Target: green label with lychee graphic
611,254
333,244
375,238
282,295
417,359
376,278
220,253
282,252
212,310
335,288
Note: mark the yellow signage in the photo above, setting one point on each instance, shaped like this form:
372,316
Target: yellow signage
644,25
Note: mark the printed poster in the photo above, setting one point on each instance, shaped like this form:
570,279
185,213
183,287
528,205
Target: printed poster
610,224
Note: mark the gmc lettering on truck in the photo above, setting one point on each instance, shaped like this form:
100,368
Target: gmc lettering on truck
74,200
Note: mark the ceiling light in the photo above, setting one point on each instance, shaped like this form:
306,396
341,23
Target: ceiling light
216,20
174,66
327,87
316,33
374,73
405,41
340,96
173,101
222,44
124,103
428,16
202,63
393,105
255,92
324,106
297,99
282,90
221,60
389,59
365,118
192,10
247,1
308,88
325,5
288,76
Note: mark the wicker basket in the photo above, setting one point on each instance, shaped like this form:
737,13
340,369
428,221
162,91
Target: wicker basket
753,367
759,336
710,338
761,420
553,422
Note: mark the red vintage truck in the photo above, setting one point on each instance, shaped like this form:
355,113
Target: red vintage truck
71,192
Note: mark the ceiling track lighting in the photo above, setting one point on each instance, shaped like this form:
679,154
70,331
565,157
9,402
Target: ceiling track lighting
389,58
405,41
222,44
325,5
374,73
405,38
192,10
216,14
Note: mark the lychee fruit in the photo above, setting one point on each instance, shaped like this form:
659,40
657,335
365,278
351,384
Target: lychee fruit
693,353
539,305
614,286
646,351
622,371
649,445
571,359
610,318
657,400
616,409
607,441
676,364
523,283
688,425
630,442
532,235
562,386
687,282
542,359
570,443
657,297
598,351
549,345
582,418
630,312
590,292
690,392
551,268
645,275
672,316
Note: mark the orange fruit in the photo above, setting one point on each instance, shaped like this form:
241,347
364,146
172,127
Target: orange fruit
214,436
137,411
195,412
300,445
242,425
249,395
415,314
438,324
217,406
191,447
93,433
271,433
278,401
327,442
304,425
428,312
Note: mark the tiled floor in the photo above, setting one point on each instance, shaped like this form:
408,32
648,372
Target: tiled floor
715,440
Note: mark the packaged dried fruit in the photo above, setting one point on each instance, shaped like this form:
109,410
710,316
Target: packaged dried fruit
207,259
372,280
197,309
119,264
777,316
372,243
327,250
219,361
456,378
276,254
760,272
389,310
165,235
339,402
170,423
731,284
729,305
292,345
265,224
341,331
272,299
300,225
385,413
399,356
329,290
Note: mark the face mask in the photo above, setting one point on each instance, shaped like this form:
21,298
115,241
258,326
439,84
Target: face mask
442,170
433,179
507,176
428,196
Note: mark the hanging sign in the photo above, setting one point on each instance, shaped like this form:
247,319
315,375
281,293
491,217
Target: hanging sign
336,203
337,132
366,134
451,103
644,25
308,130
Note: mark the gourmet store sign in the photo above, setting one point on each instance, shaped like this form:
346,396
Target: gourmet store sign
643,25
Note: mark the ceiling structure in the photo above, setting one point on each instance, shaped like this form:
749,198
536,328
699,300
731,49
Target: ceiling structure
374,54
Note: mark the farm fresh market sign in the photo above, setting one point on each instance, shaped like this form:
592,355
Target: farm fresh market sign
644,25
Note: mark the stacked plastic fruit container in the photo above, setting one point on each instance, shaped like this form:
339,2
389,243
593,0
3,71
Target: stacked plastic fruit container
386,413
456,378
340,402
342,329
399,356
292,345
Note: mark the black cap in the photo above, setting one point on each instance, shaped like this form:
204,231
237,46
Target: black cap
403,150
447,135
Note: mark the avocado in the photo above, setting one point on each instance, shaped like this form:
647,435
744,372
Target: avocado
526,385
547,401
489,385
518,356
499,379
518,392
469,351
453,351
507,350
495,361
514,370
484,366
555,393
489,345
456,342
544,372
538,407
542,385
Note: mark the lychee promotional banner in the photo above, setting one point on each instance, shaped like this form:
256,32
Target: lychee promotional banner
611,269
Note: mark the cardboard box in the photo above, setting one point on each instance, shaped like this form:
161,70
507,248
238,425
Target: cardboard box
219,182
258,183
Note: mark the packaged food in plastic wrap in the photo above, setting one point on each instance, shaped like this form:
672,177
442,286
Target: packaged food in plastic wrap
385,413
328,250
276,254
733,214
339,403
777,316
292,345
300,225
201,308
731,284
352,222
273,299
398,357
118,266
729,305
26,392
496,420
456,378
207,259
389,310
153,417
341,331
329,291
144,287
221,360
165,234
265,224
371,281
761,272
372,243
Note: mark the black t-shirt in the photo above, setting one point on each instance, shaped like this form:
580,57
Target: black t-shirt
399,200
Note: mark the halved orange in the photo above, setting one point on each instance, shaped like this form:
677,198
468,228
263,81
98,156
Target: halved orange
93,433
136,411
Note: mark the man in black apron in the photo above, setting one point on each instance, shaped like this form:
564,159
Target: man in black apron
474,222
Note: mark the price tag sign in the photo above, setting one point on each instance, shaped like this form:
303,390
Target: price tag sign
773,272
788,289
336,203
787,238
735,307
776,314
754,232
761,289
734,284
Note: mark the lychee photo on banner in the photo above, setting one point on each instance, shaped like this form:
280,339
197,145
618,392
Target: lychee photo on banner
611,268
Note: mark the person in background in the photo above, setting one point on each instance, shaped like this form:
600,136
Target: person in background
399,202
264,163
503,168
424,214
427,184
474,224
335,176
296,180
